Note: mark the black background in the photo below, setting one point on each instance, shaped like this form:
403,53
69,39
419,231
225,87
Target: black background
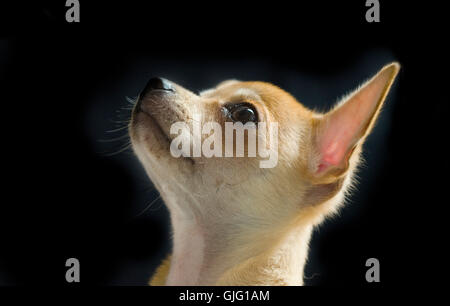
61,84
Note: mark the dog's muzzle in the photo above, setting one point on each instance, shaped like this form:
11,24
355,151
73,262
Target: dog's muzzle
155,85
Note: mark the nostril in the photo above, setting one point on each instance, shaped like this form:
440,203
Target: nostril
157,84
154,84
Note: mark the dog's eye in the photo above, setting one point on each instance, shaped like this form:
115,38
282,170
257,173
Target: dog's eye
243,112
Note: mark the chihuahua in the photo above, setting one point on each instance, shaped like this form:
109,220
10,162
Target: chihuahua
235,222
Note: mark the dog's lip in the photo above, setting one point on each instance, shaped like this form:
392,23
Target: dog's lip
160,130
153,119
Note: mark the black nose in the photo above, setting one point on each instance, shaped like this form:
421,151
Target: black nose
157,84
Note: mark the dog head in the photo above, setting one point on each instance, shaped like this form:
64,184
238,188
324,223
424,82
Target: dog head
317,153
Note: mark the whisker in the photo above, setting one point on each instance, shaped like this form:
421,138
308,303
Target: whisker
114,139
118,129
120,121
131,100
126,147
148,206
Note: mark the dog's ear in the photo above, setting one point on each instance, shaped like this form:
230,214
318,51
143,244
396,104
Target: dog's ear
337,133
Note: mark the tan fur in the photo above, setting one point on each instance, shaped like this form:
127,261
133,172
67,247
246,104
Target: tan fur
159,278
233,222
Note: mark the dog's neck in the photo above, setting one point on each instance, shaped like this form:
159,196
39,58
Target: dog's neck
204,255
189,250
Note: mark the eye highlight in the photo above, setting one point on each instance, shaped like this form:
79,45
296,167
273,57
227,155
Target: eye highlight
241,112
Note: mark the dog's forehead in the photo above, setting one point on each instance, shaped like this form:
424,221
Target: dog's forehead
246,90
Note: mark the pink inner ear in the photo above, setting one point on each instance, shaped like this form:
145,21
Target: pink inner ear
341,129
334,146
340,134
330,157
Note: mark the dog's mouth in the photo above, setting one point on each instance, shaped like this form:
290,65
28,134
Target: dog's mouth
157,126
158,132
149,111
